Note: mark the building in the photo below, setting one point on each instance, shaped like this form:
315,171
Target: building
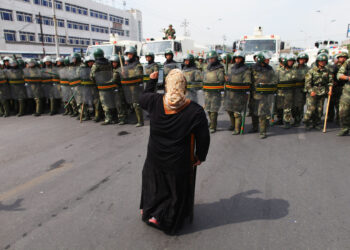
79,24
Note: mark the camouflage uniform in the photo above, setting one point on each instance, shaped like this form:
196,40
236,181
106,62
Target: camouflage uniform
317,80
75,84
264,88
213,85
344,104
33,78
119,97
285,94
102,74
337,89
18,89
236,93
170,33
193,78
299,92
65,89
149,68
5,94
87,90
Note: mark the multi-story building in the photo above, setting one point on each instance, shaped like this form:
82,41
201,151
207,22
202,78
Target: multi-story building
79,24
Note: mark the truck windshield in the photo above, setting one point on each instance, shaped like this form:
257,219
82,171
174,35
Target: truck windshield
156,47
251,46
107,49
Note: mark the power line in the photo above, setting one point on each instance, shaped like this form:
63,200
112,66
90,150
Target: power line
185,24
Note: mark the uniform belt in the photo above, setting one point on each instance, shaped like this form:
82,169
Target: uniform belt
265,90
192,86
206,87
87,82
139,80
300,84
32,80
16,81
103,87
3,81
46,80
75,82
64,82
146,78
285,85
56,80
237,87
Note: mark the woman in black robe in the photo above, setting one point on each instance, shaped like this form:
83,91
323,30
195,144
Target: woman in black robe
167,176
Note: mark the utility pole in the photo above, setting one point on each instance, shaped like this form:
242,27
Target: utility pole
185,24
55,24
41,33
223,43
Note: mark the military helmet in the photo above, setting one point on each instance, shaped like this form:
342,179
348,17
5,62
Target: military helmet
13,62
325,51
239,53
67,60
88,59
267,54
47,59
60,59
291,57
342,54
130,50
168,52
77,58
114,58
322,57
6,58
261,57
226,57
189,57
282,57
1,62
21,63
31,62
99,53
303,55
196,58
212,54
200,58
151,54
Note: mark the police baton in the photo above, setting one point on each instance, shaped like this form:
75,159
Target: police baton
328,102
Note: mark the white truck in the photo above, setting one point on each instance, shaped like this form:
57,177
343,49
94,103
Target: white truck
260,42
114,46
180,47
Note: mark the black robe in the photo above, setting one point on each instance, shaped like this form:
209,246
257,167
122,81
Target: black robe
166,185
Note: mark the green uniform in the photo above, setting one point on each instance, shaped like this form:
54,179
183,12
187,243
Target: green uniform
149,68
119,96
299,93
194,81
102,74
317,80
333,112
264,88
236,93
132,83
33,78
167,67
213,85
170,33
285,93
18,89
5,94
74,83
344,104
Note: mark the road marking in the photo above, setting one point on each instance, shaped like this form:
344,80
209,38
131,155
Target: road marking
34,182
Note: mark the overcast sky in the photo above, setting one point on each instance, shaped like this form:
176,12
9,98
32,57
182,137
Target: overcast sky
209,20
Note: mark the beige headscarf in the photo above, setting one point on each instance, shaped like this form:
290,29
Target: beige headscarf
175,90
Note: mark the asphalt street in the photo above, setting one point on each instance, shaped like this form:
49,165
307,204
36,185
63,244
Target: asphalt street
71,185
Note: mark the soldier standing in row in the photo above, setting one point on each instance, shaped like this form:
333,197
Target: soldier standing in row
5,94
344,104
317,81
265,86
337,88
238,83
66,91
301,69
285,91
74,83
201,65
193,77
149,68
119,97
132,82
87,87
101,74
169,63
16,81
213,85
33,78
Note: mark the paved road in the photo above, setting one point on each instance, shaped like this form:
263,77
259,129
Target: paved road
66,185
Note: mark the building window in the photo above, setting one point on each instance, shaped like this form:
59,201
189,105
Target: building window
117,31
47,38
116,19
62,39
99,29
77,26
60,23
45,20
6,14
28,1
10,35
59,5
79,40
24,17
46,3
26,36
76,9
98,14
126,21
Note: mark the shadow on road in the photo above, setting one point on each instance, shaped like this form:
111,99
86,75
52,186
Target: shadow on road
16,206
238,208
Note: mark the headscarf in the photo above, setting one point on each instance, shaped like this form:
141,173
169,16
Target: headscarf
175,90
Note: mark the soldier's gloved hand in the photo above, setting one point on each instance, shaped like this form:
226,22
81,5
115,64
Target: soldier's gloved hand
313,93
